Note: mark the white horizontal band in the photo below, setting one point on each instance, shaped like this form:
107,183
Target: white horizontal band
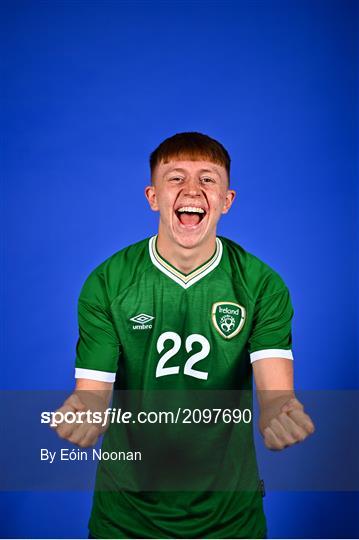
271,353
94,375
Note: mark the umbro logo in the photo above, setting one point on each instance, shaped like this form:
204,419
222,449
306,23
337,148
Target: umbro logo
142,318
142,321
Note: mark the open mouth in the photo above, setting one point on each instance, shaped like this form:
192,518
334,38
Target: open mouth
190,216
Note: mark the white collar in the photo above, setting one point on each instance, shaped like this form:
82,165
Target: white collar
185,280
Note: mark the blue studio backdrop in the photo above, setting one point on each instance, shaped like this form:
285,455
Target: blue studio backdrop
89,89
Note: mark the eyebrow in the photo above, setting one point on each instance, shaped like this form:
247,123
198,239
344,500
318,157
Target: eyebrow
178,169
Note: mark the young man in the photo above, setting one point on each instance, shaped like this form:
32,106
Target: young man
186,310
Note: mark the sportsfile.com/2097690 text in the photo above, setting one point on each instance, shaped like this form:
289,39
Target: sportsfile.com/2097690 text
178,416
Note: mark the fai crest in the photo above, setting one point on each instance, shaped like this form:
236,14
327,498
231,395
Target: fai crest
228,318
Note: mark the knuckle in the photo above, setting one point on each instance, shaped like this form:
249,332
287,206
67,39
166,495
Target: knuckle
289,440
83,444
62,434
90,442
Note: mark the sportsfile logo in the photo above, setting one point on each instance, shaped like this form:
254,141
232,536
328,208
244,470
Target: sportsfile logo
141,321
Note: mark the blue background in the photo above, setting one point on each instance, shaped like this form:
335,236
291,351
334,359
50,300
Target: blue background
89,90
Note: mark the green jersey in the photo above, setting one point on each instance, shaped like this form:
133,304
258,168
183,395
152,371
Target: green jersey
146,326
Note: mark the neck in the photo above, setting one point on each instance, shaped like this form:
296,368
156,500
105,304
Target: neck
185,259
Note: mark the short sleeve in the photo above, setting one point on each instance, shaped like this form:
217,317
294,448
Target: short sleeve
98,346
271,336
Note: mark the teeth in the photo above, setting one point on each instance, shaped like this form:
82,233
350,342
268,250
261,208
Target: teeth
192,209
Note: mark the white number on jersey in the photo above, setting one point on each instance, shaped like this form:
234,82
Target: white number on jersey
162,371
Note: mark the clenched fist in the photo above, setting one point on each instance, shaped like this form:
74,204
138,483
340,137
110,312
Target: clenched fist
290,426
82,432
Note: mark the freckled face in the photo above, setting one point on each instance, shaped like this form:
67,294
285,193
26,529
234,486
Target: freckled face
190,197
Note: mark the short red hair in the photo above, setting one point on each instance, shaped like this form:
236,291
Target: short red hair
192,146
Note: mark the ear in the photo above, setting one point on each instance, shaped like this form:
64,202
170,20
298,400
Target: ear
150,194
230,196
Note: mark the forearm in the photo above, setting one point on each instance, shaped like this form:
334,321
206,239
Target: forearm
274,384
282,420
96,395
91,396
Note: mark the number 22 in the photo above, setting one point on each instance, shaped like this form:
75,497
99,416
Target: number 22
162,371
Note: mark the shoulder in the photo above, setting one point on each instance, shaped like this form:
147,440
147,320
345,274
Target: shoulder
257,276
116,273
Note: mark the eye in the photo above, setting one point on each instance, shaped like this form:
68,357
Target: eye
207,180
175,178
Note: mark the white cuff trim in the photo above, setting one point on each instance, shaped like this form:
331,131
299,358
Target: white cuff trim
94,375
271,353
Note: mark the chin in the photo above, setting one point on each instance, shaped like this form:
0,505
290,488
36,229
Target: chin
188,239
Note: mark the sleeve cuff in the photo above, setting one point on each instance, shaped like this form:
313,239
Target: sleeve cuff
94,375
271,353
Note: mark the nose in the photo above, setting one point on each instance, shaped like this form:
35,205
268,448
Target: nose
192,187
